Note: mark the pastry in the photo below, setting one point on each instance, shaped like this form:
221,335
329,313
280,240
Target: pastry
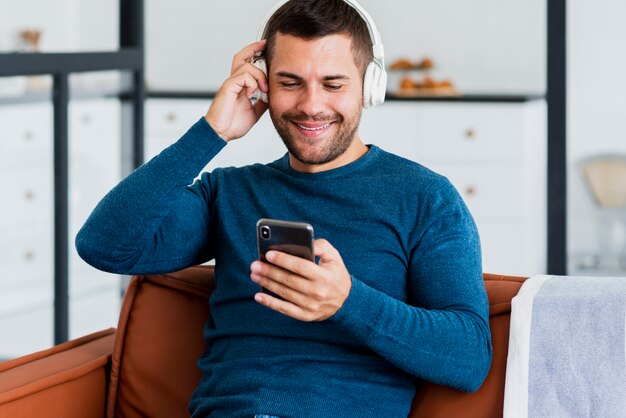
401,64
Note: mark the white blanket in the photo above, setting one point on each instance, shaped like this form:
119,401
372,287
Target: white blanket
567,355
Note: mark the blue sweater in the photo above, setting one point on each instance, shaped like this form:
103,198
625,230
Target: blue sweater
417,308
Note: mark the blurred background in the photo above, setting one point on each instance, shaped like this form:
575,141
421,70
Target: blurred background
466,97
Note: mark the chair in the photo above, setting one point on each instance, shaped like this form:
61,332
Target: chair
111,373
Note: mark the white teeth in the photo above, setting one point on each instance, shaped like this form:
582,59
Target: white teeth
314,129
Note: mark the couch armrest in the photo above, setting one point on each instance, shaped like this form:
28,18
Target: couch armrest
68,380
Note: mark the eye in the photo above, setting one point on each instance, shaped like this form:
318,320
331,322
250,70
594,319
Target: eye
333,87
289,84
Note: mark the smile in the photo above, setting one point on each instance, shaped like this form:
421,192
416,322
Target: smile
319,128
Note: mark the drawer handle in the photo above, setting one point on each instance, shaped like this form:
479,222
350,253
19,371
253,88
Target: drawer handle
29,255
470,133
29,136
171,117
470,191
86,119
29,195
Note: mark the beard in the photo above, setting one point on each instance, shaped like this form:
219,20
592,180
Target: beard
316,151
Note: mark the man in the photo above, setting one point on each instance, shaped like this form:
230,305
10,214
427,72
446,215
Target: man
397,294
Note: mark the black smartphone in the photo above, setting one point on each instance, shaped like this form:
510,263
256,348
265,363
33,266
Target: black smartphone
295,238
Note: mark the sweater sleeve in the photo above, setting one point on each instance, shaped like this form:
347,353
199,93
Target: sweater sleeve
156,220
441,334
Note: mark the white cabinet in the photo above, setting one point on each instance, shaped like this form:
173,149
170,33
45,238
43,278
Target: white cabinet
167,120
26,220
494,154
26,251
95,168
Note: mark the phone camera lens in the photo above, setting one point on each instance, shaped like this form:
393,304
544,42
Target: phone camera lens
265,232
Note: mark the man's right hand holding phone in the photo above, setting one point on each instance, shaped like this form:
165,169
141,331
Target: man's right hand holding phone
309,291
232,114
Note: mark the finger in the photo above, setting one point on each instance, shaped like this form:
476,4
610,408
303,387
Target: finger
258,75
249,79
280,275
325,251
298,265
246,55
283,307
280,289
242,82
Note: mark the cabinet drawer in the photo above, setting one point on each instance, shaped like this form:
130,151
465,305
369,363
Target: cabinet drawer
393,127
95,128
491,192
27,198
476,132
174,116
93,174
261,145
95,310
516,249
155,143
26,134
501,247
25,256
28,328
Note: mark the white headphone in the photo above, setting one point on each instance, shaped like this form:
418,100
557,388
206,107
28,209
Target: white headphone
375,79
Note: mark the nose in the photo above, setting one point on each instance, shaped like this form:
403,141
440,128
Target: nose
311,101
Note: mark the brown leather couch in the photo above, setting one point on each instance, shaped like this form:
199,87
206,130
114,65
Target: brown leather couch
112,373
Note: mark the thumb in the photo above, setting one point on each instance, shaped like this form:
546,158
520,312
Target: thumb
325,251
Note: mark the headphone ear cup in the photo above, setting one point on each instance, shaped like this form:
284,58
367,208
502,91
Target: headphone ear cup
368,85
261,65
374,85
379,89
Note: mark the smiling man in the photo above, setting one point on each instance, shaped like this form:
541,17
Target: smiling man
396,295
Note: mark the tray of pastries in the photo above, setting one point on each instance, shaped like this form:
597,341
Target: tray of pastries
425,86
413,79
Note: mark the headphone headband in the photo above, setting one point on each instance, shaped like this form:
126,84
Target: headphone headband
375,77
377,45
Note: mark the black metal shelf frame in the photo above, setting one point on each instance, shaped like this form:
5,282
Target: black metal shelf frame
557,137
129,57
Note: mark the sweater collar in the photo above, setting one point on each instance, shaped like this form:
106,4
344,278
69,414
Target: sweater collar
345,170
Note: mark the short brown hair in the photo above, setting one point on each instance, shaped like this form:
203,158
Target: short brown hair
313,19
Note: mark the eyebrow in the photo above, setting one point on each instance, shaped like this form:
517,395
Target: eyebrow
325,78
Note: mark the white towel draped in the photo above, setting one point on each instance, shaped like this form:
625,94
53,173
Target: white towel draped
567,355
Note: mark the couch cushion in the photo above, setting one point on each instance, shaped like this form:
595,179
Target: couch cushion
68,380
149,379
160,338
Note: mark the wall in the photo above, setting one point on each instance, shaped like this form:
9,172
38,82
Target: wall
66,25
483,46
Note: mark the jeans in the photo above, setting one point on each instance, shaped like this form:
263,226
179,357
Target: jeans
266,416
